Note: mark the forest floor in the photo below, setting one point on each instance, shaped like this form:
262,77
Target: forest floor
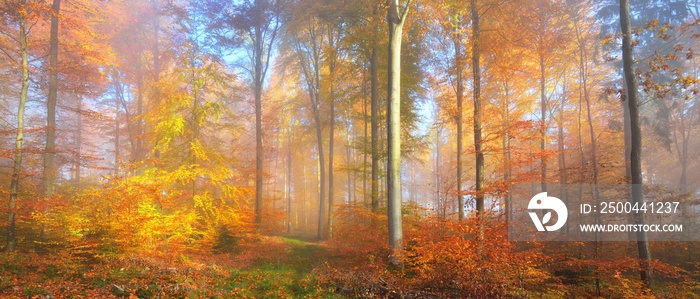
270,267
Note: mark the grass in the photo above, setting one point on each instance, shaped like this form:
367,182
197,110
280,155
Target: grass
292,278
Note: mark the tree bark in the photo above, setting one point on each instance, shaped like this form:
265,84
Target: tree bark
258,81
138,154
543,125
636,139
19,140
364,146
288,182
50,152
396,20
330,146
117,132
478,152
506,148
79,142
321,175
458,62
374,115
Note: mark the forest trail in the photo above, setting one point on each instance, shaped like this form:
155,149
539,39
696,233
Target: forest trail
289,275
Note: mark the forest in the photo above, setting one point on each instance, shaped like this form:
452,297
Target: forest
349,148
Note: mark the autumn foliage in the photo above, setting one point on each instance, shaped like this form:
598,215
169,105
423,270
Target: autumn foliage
251,149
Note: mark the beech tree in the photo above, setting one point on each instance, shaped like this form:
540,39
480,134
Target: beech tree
396,17
635,137
22,13
254,26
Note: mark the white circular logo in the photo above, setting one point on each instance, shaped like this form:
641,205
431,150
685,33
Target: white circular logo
543,202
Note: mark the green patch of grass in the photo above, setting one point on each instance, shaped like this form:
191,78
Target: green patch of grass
291,279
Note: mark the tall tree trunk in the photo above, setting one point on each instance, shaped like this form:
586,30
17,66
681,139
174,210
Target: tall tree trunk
79,142
438,201
258,81
304,211
543,125
117,132
49,153
560,142
396,20
288,181
681,145
350,158
636,139
330,152
459,65
364,146
506,147
374,114
19,140
138,155
321,174
195,112
478,151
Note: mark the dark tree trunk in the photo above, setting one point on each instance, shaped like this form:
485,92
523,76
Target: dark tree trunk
374,116
478,151
331,152
636,139
50,152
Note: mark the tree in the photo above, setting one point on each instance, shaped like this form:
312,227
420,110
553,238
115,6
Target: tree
23,12
636,139
478,148
255,26
544,35
374,109
49,168
396,17
307,46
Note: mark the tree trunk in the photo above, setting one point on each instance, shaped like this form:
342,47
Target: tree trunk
374,116
364,148
349,158
560,142
458,61
330,155
138,155
543,125
438,201
288,182
304,211
636,139
50,152
79,142
117,131
19,140
396,19
258,81
321,174
476,69
506,148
